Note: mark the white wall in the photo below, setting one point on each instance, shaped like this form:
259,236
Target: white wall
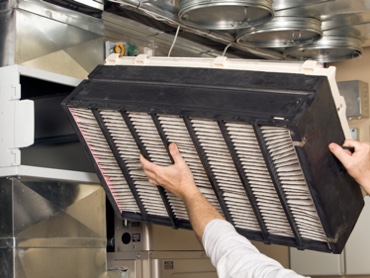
357,69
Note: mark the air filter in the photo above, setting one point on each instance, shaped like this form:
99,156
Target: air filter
255,134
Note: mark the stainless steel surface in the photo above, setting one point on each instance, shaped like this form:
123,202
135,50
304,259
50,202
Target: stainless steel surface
336,16
211,43
160,264
7,34
118,28
91,7
97,4
328,49
42,35
147,250
288,4
356,95
7,37
286,29
167,265
224,14
51,228
52,219
131,236
345,20
7,5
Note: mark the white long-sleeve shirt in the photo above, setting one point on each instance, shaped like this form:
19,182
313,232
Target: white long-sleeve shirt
234,256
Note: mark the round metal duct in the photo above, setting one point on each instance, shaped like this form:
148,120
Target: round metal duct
286,29
288,4
328,49
225,14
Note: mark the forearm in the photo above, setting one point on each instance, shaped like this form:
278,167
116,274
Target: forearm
200,212
234,256
365,183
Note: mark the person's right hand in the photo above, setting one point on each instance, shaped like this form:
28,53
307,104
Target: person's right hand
357,163
176,178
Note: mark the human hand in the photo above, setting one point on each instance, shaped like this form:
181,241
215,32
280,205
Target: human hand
357,163
176,178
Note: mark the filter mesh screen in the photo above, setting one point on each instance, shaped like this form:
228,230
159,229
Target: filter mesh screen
254,167
289,171
148,135
105,159
224,176
222,167
175,130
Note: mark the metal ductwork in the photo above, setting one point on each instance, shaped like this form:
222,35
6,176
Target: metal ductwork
254,134
225,15
341,40
287,28
283,30
26,41
46,183
45,227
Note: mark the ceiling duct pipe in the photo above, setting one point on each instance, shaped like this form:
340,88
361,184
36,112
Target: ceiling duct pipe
288,28
332,47
225,14
341,40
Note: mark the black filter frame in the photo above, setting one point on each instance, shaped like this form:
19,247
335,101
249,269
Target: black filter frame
301,103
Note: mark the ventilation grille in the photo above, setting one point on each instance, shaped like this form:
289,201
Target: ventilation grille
269,173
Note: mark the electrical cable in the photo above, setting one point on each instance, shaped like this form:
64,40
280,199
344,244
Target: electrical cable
174,40
226,48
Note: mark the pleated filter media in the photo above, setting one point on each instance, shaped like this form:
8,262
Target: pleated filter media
255,136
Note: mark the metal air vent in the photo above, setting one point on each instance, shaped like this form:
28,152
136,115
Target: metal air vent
255,135
225,14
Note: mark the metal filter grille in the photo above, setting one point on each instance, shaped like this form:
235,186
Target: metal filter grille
267,170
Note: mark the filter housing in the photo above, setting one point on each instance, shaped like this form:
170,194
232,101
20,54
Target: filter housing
255,135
